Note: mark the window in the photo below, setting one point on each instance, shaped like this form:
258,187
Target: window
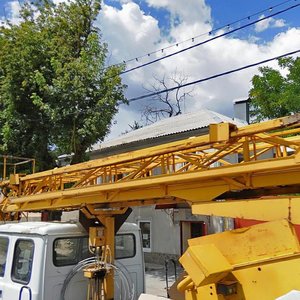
146,235
22,262
124,246
70,251
3,254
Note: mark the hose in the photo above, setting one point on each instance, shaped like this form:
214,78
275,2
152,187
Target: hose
127,290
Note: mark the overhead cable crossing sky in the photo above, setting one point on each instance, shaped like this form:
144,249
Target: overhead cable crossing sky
210,40
212,77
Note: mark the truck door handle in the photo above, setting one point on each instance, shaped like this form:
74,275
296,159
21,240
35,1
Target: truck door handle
21,292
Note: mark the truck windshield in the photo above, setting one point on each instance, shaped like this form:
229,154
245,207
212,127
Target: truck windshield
3,254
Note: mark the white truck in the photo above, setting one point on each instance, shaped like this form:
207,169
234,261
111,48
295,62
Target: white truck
38,261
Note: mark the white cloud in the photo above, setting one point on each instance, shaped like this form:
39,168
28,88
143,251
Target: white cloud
279,23
58,1
269,23
121,1
188,11
223,54
12,12
131,33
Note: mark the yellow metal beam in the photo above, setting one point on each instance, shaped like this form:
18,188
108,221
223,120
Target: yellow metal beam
195,187
191,143
264,209
191,170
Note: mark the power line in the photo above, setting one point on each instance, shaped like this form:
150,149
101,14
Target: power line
192,83
209,40
212,77
192,39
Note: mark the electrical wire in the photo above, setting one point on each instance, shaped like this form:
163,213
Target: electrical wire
204,79
211,77
199,81
204,42
209,40
192,39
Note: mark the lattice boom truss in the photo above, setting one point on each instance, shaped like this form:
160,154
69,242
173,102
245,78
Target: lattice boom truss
195,169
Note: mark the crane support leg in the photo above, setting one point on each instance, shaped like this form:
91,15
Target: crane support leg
109,233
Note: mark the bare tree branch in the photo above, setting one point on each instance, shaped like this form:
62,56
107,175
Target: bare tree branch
168,104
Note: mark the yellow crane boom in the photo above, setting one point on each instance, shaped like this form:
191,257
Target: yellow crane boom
215,174
196,170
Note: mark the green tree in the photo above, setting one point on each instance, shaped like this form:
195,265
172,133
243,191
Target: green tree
55,92
276,93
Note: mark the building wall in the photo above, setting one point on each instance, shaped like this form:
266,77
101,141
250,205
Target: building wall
166,230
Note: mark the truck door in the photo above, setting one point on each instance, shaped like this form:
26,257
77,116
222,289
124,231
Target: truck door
4,242
23,269
63,253
128,253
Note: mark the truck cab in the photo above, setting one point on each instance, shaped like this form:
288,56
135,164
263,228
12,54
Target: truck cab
36,258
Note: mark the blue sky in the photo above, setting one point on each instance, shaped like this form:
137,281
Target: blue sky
222,12
226,12
134,28
235,9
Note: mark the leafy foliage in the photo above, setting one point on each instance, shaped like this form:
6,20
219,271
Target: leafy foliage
275,95
55,92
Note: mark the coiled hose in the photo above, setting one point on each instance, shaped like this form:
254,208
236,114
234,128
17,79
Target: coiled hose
126,287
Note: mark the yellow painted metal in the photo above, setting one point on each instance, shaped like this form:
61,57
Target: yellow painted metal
205,264
4,167
14,179
109,225
267,281
220,132
264,209
254,244
187,170
209,292
265,262
192,186
196,170
96,237
206,292
101,239
11,165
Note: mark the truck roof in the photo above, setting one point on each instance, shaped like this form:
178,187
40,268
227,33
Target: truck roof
54,228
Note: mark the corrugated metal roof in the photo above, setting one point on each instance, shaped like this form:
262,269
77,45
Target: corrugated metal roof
181,123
